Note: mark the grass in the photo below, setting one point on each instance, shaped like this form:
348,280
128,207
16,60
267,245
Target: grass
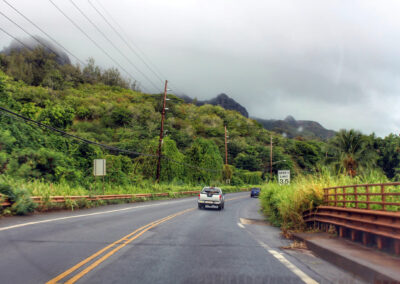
46,190
284,204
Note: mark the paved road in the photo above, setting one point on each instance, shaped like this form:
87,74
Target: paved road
156,242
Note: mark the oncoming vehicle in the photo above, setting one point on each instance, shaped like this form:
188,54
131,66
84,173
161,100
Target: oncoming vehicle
255,192
211,196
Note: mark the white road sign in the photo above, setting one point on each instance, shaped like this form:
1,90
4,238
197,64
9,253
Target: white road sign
99,167
284,176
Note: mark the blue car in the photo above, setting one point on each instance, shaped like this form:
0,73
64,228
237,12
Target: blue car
255,192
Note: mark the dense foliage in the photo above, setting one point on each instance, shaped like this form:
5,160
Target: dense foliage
97,105
284,204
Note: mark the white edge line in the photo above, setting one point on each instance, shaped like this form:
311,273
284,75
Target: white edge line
279,256
240,225
92,214
86,215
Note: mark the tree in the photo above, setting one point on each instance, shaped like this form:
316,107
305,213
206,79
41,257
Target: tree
206,160
389,155
91,73
351,151
172,167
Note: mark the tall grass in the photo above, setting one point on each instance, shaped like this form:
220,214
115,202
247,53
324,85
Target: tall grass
285,204
46,189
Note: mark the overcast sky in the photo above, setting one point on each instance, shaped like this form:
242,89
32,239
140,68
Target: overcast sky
335,62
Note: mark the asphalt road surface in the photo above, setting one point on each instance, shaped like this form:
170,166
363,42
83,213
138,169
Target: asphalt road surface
169,241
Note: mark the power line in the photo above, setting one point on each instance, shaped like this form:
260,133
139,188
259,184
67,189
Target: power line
93,41
122,38
4,31
120,52
129,45
73,136
41,43
26,18
63,133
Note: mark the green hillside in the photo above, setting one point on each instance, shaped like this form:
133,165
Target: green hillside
101,106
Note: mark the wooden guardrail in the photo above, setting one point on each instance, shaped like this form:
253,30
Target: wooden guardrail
364,212
382,196
61,199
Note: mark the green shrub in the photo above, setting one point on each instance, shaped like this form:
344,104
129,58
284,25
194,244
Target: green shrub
21,202
57,116
6,189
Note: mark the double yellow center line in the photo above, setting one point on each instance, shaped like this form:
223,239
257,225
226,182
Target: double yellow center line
109,250
115,246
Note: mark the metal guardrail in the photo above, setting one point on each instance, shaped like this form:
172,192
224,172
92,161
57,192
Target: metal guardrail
62,199
368,213
364,195
4,201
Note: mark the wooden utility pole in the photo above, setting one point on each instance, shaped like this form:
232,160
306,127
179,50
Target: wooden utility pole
226,147
161,134
270,160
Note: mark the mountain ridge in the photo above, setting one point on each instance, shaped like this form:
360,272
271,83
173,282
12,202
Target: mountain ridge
289,127
222,100
292,128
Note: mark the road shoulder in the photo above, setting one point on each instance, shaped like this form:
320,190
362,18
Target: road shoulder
373,266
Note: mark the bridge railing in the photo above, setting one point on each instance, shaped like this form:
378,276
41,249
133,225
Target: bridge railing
369,213
376,196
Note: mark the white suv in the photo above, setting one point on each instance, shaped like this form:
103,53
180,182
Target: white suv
211,196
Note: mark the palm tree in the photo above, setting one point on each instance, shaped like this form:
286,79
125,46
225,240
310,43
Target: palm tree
351,151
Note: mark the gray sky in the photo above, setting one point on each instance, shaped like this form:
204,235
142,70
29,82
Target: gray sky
335,62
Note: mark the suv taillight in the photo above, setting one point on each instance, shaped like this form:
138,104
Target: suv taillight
199,195
220,197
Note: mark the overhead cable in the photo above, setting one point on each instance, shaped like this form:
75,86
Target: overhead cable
116,48
55,41
63,133
92,40
10,35
140,54
41,43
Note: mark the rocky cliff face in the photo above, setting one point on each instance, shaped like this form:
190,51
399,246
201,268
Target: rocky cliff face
222,100
293,128
289,127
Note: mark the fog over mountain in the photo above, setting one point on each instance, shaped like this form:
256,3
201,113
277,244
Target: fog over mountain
289,127
22,43
221,100
334,62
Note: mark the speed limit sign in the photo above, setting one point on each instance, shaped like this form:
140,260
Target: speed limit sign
284,177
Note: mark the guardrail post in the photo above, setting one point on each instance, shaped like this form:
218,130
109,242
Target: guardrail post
356,196
366,239
341,232
397,247
353,235
367,192
343,197
379,242
335,196
383,197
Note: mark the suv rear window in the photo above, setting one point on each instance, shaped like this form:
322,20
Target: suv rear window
211,190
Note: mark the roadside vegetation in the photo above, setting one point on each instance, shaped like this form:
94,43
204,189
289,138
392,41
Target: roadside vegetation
284,204
103,107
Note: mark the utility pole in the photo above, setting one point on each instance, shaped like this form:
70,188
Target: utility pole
226,147
161,134
270,160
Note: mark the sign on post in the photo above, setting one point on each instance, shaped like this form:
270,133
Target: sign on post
284,176
99,167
